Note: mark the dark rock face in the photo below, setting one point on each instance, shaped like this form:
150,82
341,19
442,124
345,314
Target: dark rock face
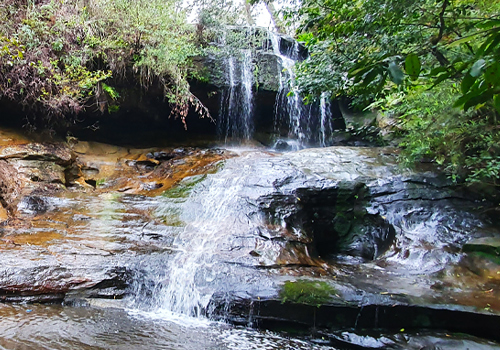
362,215
278,316
334,218
32,205
32,168
266,76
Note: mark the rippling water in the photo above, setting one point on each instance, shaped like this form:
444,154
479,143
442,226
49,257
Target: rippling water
58,327
182,247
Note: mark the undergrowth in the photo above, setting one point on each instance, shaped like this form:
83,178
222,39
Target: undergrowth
60,57
465,144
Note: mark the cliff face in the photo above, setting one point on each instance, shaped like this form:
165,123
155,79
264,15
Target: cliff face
239,89
231,78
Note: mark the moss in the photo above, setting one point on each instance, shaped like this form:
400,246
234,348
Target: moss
307,292
100,182
172,218
184,188
488,256
215,168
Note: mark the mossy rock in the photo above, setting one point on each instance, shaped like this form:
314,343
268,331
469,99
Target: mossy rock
488,247
307,292
184,188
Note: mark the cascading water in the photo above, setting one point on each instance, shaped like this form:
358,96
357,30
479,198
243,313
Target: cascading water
298,125
326,127
203,255
288,108
306,124
236,116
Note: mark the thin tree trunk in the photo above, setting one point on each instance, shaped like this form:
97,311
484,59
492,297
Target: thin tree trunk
248,13
274,18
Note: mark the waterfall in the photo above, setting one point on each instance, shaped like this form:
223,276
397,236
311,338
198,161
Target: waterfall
306,124
236,110
288,108
296,124
202,259
326,127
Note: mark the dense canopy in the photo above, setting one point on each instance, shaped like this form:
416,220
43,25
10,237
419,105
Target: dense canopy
434,64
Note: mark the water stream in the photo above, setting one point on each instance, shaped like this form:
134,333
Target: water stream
205,236
290,112
325,128
164,248
236,116
194,270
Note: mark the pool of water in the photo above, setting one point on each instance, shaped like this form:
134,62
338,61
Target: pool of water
57,327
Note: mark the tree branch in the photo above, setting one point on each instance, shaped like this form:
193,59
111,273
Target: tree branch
442,23
434,41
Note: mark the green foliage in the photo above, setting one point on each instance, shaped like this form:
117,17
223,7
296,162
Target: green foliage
111,91
63,56
224,42
100,182
434,63
369,43
307,292
464,143
219,13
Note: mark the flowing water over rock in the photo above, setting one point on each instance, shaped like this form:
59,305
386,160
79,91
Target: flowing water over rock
236,120
193,236
251,60
326,126
290,112
305,125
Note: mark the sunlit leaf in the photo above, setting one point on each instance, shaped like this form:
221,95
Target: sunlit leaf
496,102
461,41
413,66
493,45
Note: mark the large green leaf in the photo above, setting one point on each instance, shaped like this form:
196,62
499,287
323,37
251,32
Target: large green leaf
492,74
496,102
440,78
468,96
370,76
488,24
462,41
397,75
467,82
480,99
413,66
438,70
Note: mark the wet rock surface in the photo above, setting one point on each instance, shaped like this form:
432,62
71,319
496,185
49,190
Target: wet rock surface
95,221
77,215
396,317
408,229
